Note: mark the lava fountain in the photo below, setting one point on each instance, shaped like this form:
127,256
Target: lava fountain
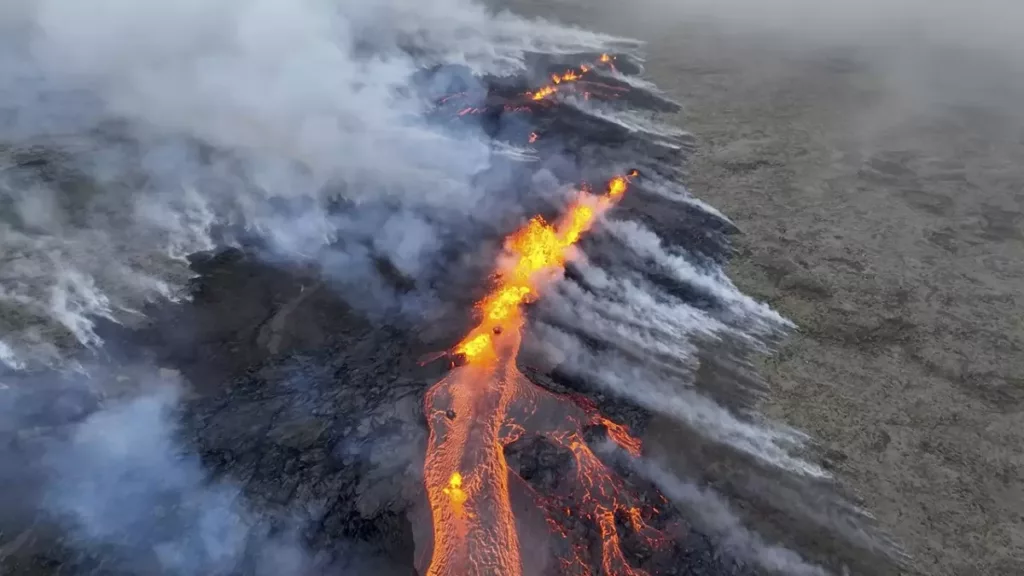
485,403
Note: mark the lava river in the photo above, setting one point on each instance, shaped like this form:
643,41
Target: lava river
485,404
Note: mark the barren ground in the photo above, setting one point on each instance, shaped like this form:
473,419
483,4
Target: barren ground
885,216
902,266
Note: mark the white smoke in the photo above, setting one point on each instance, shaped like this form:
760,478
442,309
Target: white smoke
674,398
63,266
8,358
651,339
678,193
321,84
179,117
631,314
123,480
714,516
713,282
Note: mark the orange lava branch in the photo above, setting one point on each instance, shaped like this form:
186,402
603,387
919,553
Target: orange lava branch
535,253
580,79
568,77
485,404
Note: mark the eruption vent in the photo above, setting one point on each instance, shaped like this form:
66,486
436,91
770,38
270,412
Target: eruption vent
486,403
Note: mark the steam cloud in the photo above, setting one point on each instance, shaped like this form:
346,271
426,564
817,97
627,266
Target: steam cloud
164,121
123,480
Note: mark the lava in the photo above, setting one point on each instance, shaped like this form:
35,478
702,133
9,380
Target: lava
485,404
568,77
523,102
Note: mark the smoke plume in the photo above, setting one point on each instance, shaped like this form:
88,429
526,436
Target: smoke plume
135,134
122,480
714,515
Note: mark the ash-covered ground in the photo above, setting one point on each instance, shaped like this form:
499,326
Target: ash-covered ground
237,237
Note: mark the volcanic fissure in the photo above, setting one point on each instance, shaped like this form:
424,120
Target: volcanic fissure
486,403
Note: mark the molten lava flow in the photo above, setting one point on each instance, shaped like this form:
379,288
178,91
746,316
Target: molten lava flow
568,77
485,404
523,102
542,93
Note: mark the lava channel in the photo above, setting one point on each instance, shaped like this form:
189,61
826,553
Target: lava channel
485,403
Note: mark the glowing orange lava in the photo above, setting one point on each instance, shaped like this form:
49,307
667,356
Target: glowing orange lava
486,403
526,102
568,77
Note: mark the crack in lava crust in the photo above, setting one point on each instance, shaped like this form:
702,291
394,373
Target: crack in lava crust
486,404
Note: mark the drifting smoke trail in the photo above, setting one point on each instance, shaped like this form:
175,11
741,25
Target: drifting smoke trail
650,353
713,515
170,122
647,245
8,358
653,391
122,481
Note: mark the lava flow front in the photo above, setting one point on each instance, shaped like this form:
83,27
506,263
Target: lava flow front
485,404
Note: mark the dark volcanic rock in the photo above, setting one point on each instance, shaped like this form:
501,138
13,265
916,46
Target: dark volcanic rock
323,429
334,438
313,411
328,426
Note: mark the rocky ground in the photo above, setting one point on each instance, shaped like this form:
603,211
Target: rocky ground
899,255
879,194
